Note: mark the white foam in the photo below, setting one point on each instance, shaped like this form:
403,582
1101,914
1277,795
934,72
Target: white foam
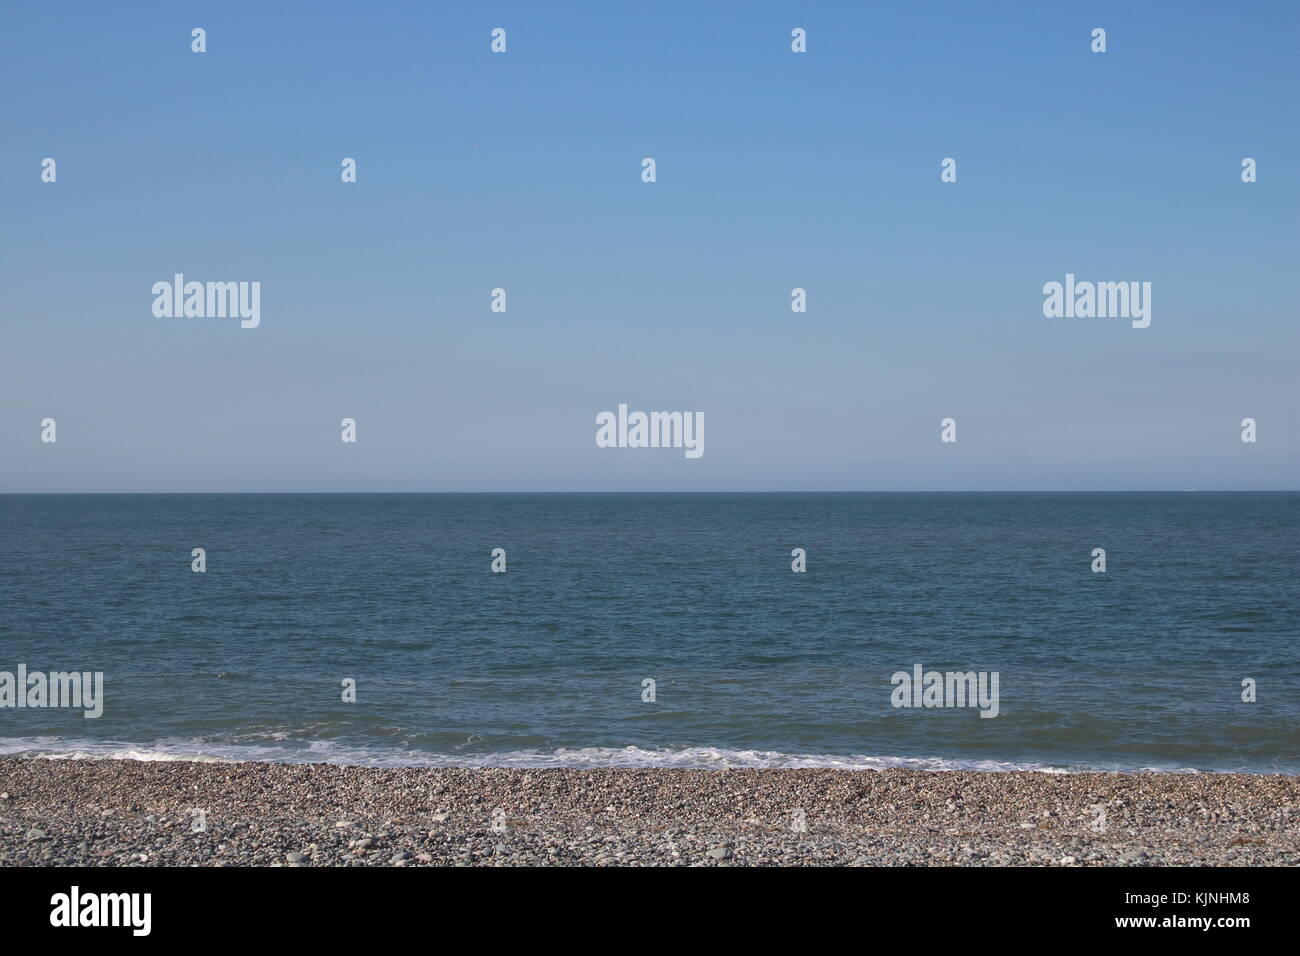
690,758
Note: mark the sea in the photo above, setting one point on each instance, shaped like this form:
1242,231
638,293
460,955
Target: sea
660,630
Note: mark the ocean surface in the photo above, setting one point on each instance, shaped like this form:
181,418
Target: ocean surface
1140,667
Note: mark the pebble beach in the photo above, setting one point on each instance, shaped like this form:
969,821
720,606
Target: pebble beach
75,812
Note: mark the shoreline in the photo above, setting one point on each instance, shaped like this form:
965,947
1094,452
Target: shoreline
96,812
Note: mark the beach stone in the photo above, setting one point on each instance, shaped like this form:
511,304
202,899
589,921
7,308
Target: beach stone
35,834
665,818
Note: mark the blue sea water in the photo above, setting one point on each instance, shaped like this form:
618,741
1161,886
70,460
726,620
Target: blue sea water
1137,668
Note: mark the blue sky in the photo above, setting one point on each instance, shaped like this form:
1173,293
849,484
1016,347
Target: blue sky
775,170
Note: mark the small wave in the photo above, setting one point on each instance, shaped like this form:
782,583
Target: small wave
687,758
718,758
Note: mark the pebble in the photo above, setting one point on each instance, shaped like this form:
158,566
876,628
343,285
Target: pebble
106,813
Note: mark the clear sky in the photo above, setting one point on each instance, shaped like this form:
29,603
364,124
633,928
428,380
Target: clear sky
775,170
